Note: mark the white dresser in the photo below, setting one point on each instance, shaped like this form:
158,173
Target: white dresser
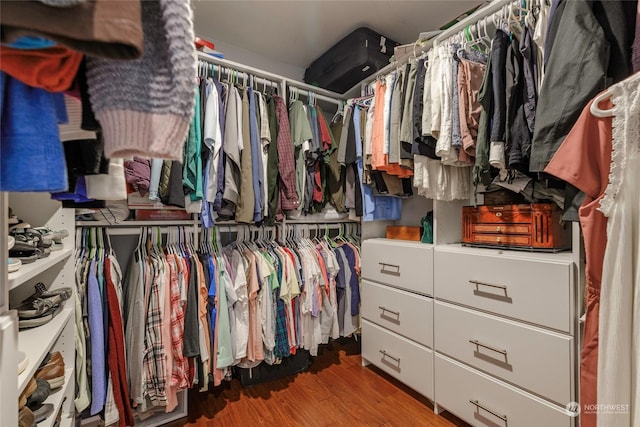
504,326
397,310
488,335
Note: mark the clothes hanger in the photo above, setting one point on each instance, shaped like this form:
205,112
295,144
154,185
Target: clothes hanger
614,90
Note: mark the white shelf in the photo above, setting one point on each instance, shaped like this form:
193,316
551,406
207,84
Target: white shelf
29,271
56,398
137,223
508,253
36,342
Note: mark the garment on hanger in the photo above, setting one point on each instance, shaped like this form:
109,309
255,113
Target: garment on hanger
608,56
583,160
618,376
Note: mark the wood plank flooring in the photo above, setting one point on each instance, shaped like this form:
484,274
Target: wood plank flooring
335,391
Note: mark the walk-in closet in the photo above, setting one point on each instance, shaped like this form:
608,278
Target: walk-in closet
311,213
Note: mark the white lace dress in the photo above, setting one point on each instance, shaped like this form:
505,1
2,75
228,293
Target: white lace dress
619,323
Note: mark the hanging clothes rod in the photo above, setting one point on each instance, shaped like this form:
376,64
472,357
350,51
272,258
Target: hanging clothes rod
492,8
311,95
229,73
313,89
241,68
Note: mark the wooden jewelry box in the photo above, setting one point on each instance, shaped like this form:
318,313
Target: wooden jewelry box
536,227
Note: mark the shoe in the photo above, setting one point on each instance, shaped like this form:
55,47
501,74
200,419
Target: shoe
54,374
43,412
43,292
28,391
11,242
23,362
26,418
52,359
40,320
37,398
42,301
14,264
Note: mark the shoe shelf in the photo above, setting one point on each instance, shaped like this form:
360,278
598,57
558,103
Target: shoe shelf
56,398
36,343
29,271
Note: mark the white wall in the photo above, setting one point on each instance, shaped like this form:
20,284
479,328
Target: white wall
257,60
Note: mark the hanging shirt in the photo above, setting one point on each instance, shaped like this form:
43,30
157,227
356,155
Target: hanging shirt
212,140
257,168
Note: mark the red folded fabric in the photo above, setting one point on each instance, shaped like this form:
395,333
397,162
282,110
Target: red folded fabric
52,69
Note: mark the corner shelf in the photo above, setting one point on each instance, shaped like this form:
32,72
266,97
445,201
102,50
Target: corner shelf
29,271
56,398
36,342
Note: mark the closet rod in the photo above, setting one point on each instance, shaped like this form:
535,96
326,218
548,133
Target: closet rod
222,70
240,67
314,89
476,16
339,102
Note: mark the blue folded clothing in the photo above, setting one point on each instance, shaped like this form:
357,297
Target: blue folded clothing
31,154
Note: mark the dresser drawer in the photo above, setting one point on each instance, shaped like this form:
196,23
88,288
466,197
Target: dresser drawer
405,360
402,264
534,359
535,288
483,401
407,314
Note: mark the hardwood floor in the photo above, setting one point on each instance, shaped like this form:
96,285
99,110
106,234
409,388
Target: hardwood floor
335,391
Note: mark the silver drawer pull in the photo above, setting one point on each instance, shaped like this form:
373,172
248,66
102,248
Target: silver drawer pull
495,414
488,347
385,354
388,271
386,310
477,283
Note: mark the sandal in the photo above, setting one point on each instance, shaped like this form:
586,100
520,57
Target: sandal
40,320
42,292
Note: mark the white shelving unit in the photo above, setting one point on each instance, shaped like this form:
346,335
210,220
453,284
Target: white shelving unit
55,271
37,342
56,398
29,271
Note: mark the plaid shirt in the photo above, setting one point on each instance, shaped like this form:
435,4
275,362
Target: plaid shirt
155,358
286,161
179,376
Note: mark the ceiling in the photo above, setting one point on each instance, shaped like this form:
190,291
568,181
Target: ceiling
297,32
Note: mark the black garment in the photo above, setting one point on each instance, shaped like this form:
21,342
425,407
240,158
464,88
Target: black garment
591,50
85,157
499,59
175,197
335,173
89,121
518,137
191,342
529,52
272,164
482,169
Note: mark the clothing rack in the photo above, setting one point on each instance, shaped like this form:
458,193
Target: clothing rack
245,71
495,7
313,93
231,73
